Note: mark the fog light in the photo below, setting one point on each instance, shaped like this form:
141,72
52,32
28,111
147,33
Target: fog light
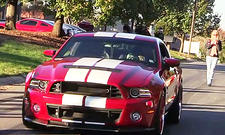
36,108
135,116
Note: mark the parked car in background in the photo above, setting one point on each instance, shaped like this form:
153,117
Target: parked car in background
35,25
105,81
2,24
86,26
38,25
69,29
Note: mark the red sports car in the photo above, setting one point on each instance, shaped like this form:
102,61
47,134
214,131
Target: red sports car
2,24
36,25
31,24
105,81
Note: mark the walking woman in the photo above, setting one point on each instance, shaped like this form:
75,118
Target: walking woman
213,46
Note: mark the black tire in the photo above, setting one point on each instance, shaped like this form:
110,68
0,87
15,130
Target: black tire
160,116
174,114
25,122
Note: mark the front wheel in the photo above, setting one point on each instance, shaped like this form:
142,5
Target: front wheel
160,116
175,111
25,122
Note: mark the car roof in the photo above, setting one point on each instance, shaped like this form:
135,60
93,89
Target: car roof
35,19
119,35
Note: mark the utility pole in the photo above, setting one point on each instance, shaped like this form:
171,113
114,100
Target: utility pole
192,26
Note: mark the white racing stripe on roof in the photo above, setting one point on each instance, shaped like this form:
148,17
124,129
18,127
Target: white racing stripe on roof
126,35
104,34
96,102
101,76
69,99
75,74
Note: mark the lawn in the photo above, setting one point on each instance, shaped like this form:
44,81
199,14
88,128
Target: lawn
182,56
18,57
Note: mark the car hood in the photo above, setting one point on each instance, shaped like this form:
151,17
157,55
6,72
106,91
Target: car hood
95,70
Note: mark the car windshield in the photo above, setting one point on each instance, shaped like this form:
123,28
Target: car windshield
49,22
111,48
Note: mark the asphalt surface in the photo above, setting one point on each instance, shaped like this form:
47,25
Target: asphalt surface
203,106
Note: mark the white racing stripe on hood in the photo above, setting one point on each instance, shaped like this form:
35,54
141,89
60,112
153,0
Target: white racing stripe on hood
69,99
101,76
75,74
96,102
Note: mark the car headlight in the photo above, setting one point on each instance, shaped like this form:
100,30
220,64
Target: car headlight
138,92
39,84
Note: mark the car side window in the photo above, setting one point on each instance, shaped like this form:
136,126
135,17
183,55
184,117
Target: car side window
28,22
164,51
42,24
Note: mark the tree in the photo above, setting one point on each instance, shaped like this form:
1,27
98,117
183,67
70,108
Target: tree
76,9
140,11
206,20
177,18
10,13
82,10
106,12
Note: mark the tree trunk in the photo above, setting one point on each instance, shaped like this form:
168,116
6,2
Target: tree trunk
182,43
57,29
132,25
105,27
11,15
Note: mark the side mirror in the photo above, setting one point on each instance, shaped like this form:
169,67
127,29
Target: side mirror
171,62
49,53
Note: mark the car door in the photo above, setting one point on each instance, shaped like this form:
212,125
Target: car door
44,27
27,25
170,77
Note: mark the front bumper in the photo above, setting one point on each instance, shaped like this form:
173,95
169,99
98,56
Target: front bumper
119,123
89,127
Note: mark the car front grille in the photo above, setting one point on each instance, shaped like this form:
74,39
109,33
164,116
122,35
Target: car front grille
82,114
87,89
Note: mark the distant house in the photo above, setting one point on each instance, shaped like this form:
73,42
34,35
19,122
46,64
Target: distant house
32,14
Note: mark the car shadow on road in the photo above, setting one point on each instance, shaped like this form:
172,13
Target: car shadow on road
199,120
204,90
54,131
15,80
219,67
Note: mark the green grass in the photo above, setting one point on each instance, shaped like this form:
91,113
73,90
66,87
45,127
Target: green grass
182,56
18,58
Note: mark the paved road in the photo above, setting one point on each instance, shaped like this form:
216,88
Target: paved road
203,109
